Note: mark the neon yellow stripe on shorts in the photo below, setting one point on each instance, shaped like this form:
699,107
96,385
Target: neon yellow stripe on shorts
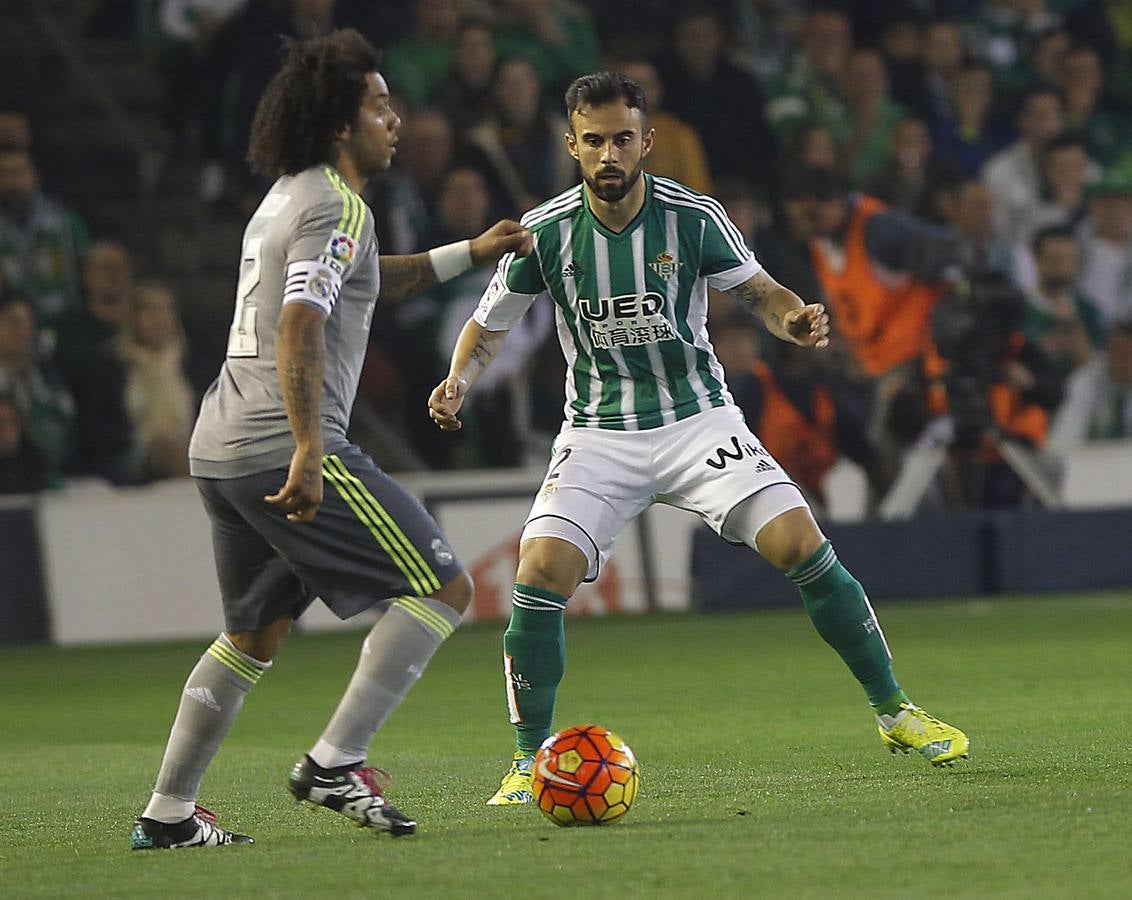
381,525
428,617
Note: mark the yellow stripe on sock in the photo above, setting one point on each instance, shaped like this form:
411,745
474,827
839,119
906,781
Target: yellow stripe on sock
425,616
224,655
348,491
408,552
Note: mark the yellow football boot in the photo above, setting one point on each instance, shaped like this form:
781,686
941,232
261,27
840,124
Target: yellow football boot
913,729
516,784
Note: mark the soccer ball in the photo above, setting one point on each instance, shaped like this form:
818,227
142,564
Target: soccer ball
585,775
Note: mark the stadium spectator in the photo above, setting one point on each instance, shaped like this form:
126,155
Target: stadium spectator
721,101
811,145
86,357
158,398
1048,53
22,466
970,132
1098,403
1106,247
46,408
944,56
679,154
108,284
1013,174
498,412
967,206
417,63
876,267
872,115
1065,171
1107,132
464,96
1065,324
810,86
520,148
903,180
555,36
41,240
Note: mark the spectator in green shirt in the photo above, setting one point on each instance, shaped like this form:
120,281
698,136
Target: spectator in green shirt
417,64
557,38
41,241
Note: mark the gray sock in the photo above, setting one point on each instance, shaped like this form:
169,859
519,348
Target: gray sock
212,697
393,657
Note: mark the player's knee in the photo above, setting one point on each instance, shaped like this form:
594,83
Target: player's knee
790,539
458,593
552,565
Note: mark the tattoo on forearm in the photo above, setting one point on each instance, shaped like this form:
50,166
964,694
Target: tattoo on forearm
403,277
487,345
755,295
301,375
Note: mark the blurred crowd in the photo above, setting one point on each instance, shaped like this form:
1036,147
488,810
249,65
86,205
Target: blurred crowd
953,179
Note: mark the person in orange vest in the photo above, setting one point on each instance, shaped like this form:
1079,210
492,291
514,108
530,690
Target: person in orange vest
801,410
881,272
880,269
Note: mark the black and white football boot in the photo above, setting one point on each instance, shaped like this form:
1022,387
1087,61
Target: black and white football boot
198,830
353,791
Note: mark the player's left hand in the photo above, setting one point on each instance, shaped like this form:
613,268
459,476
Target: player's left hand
808,325
505,236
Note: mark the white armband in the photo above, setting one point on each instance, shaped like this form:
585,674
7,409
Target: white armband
451,260
313,282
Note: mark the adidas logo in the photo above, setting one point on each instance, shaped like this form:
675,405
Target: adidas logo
763,466
203,695
572,270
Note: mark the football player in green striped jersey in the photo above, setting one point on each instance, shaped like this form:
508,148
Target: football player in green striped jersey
297,512
627,258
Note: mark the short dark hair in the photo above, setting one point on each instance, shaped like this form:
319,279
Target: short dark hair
316,94
605,87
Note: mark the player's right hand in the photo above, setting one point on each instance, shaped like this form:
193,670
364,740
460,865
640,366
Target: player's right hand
301,495
505,236
445,402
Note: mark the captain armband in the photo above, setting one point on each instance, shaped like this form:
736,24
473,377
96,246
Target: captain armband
314,282
501,309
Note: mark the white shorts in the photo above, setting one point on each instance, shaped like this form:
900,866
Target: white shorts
600,480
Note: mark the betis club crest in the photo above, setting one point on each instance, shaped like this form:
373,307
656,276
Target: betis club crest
665,265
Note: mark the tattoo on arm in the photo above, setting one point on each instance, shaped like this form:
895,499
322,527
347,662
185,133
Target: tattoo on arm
301,364
403,277
754,294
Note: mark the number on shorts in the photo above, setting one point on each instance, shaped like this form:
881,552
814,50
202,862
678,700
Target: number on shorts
243,342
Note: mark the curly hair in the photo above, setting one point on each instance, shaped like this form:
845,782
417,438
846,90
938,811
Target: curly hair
316,94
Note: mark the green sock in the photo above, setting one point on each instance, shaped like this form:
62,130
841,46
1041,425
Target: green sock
534,658
840,611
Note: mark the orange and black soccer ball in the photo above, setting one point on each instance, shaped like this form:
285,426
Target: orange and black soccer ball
585,775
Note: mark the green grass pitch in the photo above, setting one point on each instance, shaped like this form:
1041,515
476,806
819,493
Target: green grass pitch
763,776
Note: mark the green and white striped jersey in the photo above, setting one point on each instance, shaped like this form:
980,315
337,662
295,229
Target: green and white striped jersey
631,308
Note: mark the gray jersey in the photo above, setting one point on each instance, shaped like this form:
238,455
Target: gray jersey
310,241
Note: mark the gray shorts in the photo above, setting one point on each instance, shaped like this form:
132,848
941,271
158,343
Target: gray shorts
370,541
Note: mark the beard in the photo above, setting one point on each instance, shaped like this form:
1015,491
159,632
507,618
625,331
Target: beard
613,191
